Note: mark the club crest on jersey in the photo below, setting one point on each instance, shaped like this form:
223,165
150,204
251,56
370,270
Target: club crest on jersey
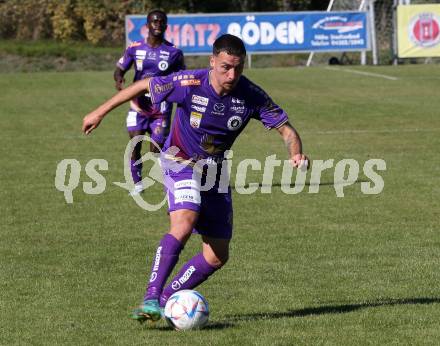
163,65
195,119
234,123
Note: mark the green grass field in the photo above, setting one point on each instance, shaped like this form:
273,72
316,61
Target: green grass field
305,269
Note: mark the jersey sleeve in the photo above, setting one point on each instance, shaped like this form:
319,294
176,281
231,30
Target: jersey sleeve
125,62
172,88
268,112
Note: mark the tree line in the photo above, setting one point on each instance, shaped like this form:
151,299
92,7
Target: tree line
102,21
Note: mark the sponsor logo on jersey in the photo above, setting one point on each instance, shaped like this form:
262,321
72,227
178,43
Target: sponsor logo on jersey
218,109
135,44
164,55
175,285
159,89
140,54
187,195
139,64
195,119
163,65
151,56
153,276
235,100
188,82
185,277
186,183
157,258
237,109
200,100
234,123
199,108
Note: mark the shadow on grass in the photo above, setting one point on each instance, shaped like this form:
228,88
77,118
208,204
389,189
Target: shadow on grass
331,309
211,326
320,310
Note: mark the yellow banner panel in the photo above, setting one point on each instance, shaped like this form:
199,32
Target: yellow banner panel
418,31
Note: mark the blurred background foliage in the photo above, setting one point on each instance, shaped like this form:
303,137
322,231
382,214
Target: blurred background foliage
69,35
102,21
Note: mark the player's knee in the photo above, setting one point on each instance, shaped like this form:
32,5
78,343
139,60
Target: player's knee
182,230
217,260
223,259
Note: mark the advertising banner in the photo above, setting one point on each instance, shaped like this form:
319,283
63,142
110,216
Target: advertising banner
418,31
272,32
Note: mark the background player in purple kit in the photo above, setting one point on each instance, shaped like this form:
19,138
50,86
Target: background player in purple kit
214,106
151,57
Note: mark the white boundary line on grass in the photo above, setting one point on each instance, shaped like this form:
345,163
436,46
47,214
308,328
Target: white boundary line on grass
369,74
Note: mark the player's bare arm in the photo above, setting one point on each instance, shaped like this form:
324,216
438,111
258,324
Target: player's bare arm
294,145
118,76
92,120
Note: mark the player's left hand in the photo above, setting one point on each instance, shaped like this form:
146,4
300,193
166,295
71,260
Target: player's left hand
91,121
119,84
300,161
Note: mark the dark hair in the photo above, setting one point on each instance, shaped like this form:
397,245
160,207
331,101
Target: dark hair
230,44
157,12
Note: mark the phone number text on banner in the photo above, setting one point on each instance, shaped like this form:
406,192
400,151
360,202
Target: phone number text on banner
262,32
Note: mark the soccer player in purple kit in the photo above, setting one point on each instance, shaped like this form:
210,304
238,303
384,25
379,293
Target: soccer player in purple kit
151,57
214,106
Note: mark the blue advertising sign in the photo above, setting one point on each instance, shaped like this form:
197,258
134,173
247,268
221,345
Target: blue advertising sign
262,32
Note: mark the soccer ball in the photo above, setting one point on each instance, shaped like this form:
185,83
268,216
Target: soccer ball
187,309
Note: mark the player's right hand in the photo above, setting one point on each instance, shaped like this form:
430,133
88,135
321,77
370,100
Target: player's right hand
91,121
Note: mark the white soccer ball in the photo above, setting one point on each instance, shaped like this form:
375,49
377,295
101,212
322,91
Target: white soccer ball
187,309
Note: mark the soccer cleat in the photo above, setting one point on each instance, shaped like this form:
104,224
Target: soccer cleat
149,310
138,188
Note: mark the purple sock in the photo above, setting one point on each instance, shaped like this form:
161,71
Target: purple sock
192,274
136,171
166,257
